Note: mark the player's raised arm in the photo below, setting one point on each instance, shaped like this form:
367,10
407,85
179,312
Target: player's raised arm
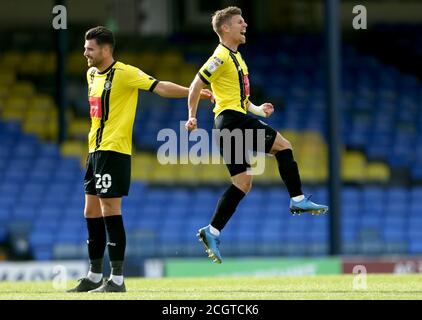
195,89
169,89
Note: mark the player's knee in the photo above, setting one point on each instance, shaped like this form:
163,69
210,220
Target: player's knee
92,208
110,207
92,213
286,144
106,207
281,143
244,185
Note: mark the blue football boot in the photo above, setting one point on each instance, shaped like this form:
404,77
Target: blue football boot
211,244
306,205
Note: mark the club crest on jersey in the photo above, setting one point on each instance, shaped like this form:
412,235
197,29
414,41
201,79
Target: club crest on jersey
107,85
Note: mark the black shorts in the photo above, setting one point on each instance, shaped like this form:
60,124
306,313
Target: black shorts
107,174
231,120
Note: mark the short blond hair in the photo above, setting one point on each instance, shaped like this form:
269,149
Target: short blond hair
223,16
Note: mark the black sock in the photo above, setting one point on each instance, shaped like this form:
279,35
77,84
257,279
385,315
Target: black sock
116,267
116,242
96,243
289,172
226,206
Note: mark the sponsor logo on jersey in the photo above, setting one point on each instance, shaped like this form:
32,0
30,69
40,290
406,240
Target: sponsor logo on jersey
214,64
95,109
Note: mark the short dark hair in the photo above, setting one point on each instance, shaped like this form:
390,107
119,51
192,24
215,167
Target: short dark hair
221,17
102,35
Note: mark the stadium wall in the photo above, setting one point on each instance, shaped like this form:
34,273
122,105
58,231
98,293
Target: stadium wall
281,266
41,271
232,267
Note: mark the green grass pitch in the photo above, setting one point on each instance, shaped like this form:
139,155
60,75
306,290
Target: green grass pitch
336,287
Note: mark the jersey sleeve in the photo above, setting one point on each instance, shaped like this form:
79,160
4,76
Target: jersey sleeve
136,78
89,74
212,69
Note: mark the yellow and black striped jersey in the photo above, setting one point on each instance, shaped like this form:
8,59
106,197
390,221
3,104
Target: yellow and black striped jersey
113,96
227,73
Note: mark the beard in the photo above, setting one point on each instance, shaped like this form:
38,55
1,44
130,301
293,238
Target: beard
93,62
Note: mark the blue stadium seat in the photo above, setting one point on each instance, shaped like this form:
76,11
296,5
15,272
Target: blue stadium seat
351,209
46,226
397,195
253,210
71,236
317,236
370,221
49,211
392,234
41,238
49,151
155,196
275,209
180,196
24,212
350,195
177,212
245,235
43,254
415,245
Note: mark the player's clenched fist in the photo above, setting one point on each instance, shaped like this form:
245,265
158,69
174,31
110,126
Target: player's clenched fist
268,109
191,124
